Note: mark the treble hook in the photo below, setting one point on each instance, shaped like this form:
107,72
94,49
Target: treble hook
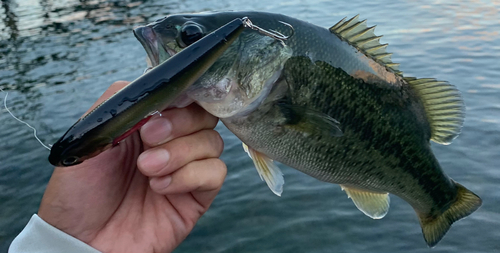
271,33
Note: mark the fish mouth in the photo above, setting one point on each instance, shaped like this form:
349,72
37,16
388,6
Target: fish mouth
153,46
149,41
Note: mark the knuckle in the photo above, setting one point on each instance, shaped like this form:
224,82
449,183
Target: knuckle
192,176
215,142
192,113
206,119
220,171
190,171
184,148
205,174
211,120
119,84
180,153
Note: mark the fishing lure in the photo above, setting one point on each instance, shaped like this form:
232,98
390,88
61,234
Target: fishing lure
131,107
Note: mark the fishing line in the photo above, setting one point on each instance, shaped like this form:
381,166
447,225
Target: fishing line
11,114
156,112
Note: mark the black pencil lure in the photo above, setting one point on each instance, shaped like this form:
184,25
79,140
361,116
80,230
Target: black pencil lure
128,109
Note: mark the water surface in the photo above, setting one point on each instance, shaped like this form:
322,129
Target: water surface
57,57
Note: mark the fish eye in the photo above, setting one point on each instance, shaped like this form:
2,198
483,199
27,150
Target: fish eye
68,161
189,34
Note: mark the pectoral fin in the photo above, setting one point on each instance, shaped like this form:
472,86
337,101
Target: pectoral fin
375,205
268,171
309,121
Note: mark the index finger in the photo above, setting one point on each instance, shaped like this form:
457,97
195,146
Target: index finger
175,123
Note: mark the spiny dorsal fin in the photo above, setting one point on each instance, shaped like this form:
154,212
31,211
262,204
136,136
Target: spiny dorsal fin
443,105
364,39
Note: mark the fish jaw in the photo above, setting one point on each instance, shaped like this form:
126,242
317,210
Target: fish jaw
147,38
157,52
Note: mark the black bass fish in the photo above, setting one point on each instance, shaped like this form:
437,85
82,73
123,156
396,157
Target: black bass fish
329,103
131,107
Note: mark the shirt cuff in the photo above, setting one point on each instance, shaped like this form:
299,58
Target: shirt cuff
41,237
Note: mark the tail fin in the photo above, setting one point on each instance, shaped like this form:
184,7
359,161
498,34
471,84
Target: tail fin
434,228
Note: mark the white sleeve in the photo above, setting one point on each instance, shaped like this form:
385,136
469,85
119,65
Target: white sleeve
40,237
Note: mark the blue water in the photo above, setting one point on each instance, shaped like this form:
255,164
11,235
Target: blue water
57,57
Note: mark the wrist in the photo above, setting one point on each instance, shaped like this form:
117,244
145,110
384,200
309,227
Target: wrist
40,236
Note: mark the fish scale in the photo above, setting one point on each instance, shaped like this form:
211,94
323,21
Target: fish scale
336,156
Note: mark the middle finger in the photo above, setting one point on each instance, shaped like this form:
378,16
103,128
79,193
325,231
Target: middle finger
166,158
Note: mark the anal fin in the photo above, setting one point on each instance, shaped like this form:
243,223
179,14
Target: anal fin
267,170
374,204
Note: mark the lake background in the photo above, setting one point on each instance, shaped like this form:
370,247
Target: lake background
58,56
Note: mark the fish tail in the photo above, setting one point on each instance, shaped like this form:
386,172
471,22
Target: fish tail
435,227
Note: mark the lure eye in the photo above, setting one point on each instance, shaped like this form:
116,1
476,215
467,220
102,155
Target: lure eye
68,161
189,34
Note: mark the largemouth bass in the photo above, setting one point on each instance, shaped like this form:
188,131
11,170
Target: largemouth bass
128,109
332,104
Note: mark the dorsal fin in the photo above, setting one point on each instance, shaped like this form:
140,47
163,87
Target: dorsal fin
443,105
362,37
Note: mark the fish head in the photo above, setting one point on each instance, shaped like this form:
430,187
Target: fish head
242,76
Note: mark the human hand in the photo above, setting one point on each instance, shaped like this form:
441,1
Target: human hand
147,193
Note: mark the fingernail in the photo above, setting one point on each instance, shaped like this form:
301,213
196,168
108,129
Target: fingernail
153,160
160,183
156,131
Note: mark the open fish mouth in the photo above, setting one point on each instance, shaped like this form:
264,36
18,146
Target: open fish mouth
149,40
